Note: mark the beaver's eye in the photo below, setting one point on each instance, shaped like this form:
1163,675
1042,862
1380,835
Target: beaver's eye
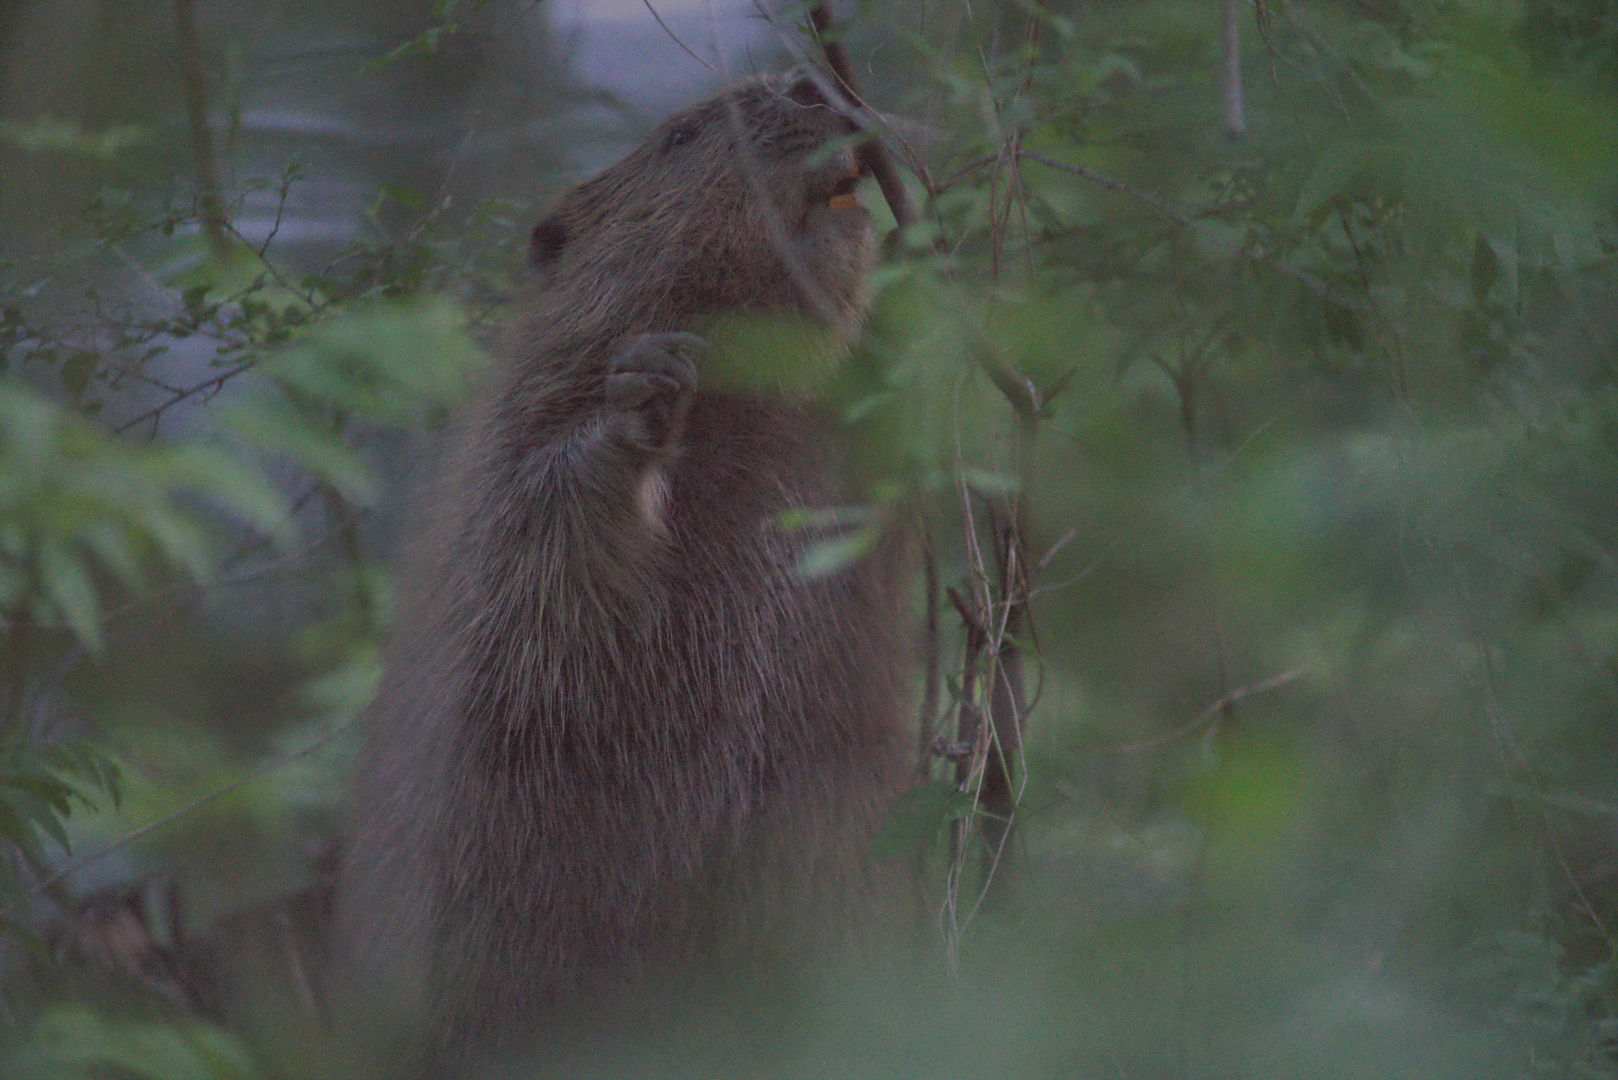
679,136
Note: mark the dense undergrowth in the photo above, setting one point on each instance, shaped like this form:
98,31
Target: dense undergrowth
1297,416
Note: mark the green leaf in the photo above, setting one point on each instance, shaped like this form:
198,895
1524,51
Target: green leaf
990,483
826,557
222,479
21,814
868,404
78,765
181,541
1335,171
69,136
424,44
74,1037
919,817
273,428
824,517
72,592
55,793
29,422
110,543
347,688
195,297
77,370
384,363
409,198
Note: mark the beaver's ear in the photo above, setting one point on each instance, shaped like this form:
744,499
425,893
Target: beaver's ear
546,242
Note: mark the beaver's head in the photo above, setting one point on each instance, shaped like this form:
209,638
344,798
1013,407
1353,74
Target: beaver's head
742,204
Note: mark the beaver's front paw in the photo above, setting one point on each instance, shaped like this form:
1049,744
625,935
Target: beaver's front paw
651,381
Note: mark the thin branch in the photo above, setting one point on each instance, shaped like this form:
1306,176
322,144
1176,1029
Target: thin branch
212,383
80,863
1018,390
675,37
926,730
1057,586
196,105
280,211
1051,552
873,156
1173,213
1215,709
1235,121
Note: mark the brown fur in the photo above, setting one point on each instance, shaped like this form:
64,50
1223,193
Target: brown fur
621,739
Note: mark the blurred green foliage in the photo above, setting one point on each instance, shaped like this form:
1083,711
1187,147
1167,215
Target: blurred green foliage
1322,503
1314,431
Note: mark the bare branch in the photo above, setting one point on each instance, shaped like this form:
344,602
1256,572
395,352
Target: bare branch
1235,120
213,209
1215,709
168,819
873,156
675,37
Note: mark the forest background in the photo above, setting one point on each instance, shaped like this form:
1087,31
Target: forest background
1254,365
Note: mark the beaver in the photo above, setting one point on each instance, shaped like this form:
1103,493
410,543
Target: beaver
624,740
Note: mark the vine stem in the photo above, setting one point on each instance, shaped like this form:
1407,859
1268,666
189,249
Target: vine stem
993,627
